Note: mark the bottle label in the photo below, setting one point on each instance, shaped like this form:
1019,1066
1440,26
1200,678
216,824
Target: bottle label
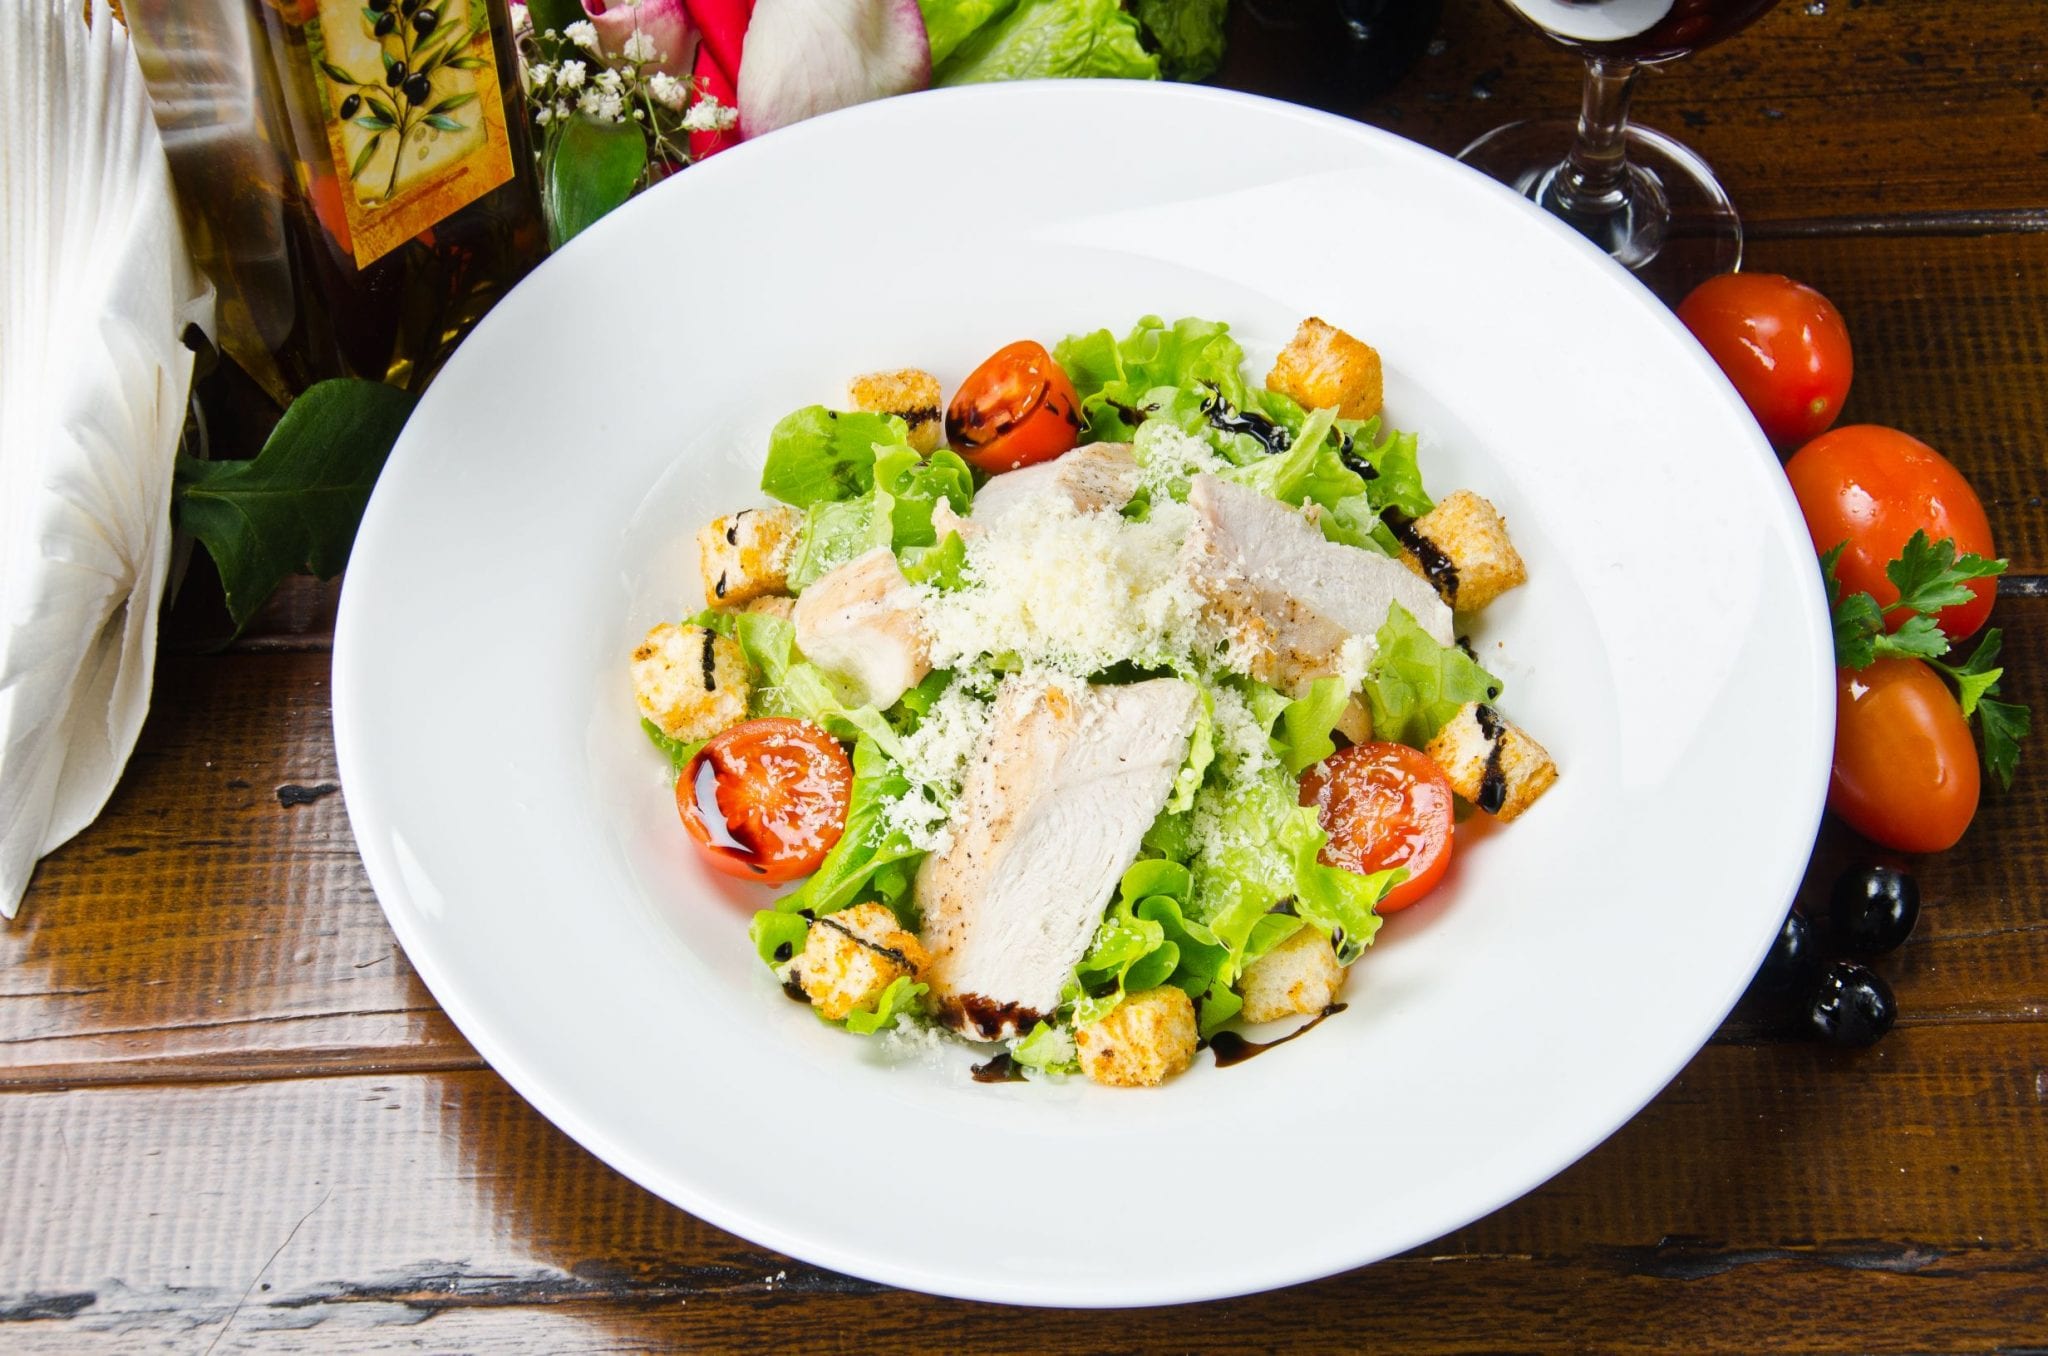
415,117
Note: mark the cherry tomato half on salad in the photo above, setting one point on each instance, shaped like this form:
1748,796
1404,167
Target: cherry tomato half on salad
1383,805
1873,488
1783,346
1017,409
766,800
1905,766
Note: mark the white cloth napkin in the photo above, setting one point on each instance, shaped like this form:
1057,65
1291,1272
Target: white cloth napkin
95,289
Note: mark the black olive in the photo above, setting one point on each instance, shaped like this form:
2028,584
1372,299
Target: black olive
1873,910
1792,962
424,21
379,6
386,25
408,6
350,105
418,90
394,74
1852,1005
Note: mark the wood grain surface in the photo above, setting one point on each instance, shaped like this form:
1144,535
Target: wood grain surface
232,1118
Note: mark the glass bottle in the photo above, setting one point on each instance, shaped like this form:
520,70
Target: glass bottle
354,175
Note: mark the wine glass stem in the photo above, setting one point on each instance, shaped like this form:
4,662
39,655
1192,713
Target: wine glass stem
1594,181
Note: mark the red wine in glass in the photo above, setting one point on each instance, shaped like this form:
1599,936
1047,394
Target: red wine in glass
1652,203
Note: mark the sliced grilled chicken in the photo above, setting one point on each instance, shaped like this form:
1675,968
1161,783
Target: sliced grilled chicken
1060,793
1285,593
1098,476
860,623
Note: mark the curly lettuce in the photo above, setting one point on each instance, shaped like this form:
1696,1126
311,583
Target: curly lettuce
1416,685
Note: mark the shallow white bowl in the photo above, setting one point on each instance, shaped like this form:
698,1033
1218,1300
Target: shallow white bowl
536,518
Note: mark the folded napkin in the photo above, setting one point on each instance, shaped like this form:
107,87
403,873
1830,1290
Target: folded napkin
95,289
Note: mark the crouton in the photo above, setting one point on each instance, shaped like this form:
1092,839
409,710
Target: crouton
690,682
1298,978
1492,763
1354,722
1322,367
1461,546
912,395
851,956
746,554
1148,1039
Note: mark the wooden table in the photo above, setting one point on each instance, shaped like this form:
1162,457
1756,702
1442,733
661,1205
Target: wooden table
232,1116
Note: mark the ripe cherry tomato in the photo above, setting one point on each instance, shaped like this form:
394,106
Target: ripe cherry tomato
1873,488
1905,766
1782,344
766,800
1383,805
1018,408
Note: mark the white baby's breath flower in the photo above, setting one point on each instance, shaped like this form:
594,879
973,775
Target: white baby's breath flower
563,108
639,47
603,105
708,115
668,91
583,33
608,81
538,75
571,75
544,116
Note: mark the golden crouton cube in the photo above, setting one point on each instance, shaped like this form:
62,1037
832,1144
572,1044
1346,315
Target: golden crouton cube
1322,367
849,957
1472,561
1492,763
1146,1040
779,605
746,554
690,682
1354,722
1298,978
910,394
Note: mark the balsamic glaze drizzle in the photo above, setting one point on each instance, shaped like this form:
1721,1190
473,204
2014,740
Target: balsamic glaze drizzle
1232,1048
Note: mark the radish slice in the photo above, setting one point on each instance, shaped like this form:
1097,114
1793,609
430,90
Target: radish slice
806,57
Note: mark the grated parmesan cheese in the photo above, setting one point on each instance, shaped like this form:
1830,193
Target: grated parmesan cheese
934,762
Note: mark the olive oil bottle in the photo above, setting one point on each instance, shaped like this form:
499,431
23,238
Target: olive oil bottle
354,175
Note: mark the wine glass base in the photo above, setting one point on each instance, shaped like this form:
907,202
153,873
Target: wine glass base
1680,227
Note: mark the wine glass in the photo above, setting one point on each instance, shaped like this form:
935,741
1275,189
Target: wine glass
1649,201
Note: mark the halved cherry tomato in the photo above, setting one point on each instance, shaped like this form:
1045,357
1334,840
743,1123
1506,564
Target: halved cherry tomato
1873,488
1905,766
1383,805
766,800
1783,346
1018,408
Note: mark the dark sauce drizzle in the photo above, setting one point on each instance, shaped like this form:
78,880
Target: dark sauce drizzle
1347,453
1001,1069
888,953
732,530
1232,1048
795,990
710,667
1493,787
1272,436
988,1017
1436,566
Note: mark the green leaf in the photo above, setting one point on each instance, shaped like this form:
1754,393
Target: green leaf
297,504
772,929
465,63
2003,725
1043,39
453,102
589,168
555,14
948,23
382,109
363,156
675,750
442,124
372,122
1930,576
1303,731
904,995
1187,34
1917,638
1415,685
1976,677
815,453
337,74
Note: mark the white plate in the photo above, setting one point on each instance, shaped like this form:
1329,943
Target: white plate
536,518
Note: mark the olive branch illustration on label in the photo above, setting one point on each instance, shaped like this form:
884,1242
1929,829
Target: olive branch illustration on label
417,42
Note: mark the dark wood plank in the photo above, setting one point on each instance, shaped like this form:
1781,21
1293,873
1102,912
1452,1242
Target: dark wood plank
1840,110
217,923
1772,1199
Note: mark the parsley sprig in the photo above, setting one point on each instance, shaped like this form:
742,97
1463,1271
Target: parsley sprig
1930,576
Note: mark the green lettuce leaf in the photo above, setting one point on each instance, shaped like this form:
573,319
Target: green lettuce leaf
948,23
1302,736
678,752
1201,753
1048,39
903,996
819,454
854,869
836,531
772,930
1188,35
1416,685
1310,470
1047,1048
1155,364
895,511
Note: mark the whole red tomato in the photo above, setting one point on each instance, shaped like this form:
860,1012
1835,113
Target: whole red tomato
1905,772
1782,344
1874,487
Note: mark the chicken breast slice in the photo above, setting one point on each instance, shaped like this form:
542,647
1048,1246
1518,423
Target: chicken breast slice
1097,476
860,623
1061,790
1291,597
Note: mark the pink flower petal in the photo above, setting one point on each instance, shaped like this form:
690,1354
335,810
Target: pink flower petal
806,57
